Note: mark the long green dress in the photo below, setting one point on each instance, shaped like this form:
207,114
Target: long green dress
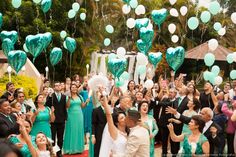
25,149
42,123
74,129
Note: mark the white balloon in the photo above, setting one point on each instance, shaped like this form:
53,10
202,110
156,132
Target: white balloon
218,80
126,9
233,17
133,3
172,2
213,44
150,25
142,77
172,28
174,38
222,31
140,10
142,59
130,23
148,84
183,10
234,56
174,12
121,52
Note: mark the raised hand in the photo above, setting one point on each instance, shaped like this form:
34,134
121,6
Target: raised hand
171,110
170,127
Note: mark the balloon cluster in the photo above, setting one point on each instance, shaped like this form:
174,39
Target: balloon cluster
212,76
110,30
75,8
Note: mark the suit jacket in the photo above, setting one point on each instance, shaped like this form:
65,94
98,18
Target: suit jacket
138,143
7,127
183,105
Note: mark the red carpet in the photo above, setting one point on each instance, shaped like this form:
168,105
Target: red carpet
85,154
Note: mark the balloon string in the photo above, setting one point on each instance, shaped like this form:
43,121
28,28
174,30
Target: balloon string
66,63
70,63
127,34
75,23
37,17
17,27
53,74
45,20
46,57
67,22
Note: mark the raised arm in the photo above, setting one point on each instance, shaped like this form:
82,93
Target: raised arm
173,136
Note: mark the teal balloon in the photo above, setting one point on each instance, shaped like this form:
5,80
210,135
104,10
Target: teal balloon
214,8
206,75
141,69
75,6
143,46
16,3
1,20
25,48
230,58
107,42
217,26
12,35
175,57
119,82
126,1
111,56
193,23
46,5
109,29
159,16
125,75
63,34
70,44
212,77
117,66
47,37
233,74
7,46
155,58
139,23
146,34
205,16
55,55
35,44
215,70
71,14
82,16
133,3
17,59
209,59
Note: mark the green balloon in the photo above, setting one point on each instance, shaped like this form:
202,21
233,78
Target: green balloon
17,59
117,66
7,46
205,16
1,20
109,29
107,42
133,3
46,5
25,48
214,7
119,82
141,69
71,14
55,55
193,23
36,1
215,70
206,75
209,59
13,35
16,3
230,58
71,44
233,74
125,75
217,26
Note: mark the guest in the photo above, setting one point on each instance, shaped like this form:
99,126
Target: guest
67,86
115,94
9,150
9,94
192,91
25,108
131,88
63,87
138,99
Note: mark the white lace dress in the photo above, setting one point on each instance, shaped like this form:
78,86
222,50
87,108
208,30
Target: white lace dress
119,145
44,153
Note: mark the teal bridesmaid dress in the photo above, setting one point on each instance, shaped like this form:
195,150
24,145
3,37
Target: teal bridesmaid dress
25,149
42,123
74,129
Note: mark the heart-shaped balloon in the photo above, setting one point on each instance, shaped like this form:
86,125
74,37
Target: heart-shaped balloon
70,44
47,37
55,55
139,23
126,1
175,57
7,46
12,35
143,46
155,58
159,16
1,19
46,5
17,59
117,66
35,44
146,34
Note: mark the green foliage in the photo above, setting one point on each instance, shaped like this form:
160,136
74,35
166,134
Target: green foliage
27,83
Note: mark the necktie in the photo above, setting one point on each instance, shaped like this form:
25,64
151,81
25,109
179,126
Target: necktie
180,100
58,97
10,119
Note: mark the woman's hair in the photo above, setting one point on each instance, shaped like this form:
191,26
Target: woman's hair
75,76
198,120
36,100
72,84
48,145
7,147
30,123
141,103
194,89
129,83
115,117
13,104
196,103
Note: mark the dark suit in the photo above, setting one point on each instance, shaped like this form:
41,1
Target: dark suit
8,127
98,123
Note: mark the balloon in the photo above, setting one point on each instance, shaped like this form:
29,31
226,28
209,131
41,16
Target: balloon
7,46
121,52
111,56
218,80
71,14
150,25
183,10
107,42
213,44
140,10
139,23
141,69
82,16
1,19
142,59
47,37
76,6
172,2
55,55
217,26
233,74
175,57
109,29
133,3
205,16
119,82
117,66
155,58
70,44
130,23
17,59
46,5
64,45
126,1
215,70
125,75
16,3
172,28
126,9
174,38
234,56
214,7
143,46
222,31
230,58
159,16
35,44
193,23
212,78
12,35
146,34
233,17
174,12
209,59
63,34
36,1
25,48
148,84
206,75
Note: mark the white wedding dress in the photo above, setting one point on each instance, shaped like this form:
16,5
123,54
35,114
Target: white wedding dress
119,145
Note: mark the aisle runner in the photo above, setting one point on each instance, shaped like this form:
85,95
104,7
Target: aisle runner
85,154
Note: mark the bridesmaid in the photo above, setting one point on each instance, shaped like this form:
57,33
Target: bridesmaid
74,129
42,117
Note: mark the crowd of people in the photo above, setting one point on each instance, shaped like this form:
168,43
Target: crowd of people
119,123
